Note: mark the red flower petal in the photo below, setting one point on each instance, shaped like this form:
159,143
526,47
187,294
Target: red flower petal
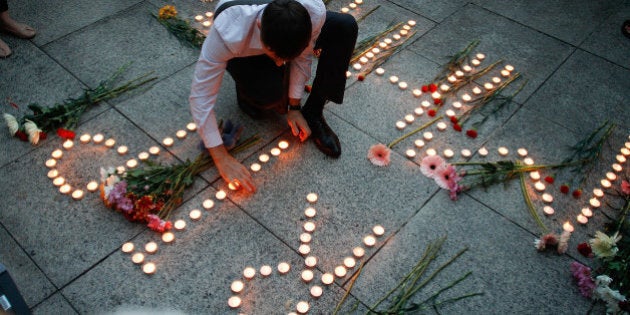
21,135
431,112
549,179
577,193
564,189
437,101
43,135
585,249
425,89
360,77
432,87
472,133
66,134
454,119
457,127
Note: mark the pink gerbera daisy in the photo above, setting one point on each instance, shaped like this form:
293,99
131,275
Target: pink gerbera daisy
446,177
430,165
379,154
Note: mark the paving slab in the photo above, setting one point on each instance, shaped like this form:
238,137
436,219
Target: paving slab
533,54
583,102
56,304
434,10
607,41
195,272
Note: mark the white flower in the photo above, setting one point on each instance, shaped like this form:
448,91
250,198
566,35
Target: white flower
12,123
604,245
603,280
33,132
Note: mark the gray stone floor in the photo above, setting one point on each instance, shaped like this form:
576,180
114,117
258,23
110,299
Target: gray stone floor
65,255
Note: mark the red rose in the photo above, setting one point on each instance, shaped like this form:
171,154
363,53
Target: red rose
437,101
432,87
453,119
21,135
585,249
431,112
66,134
549,179
457,127
425,89
360,77
308,88
472,133
577,193
564,189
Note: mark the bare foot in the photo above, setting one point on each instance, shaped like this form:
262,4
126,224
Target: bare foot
11,26
5,51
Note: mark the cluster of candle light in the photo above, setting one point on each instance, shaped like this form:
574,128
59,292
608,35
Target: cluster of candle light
205,19
310,262
264,158
351,6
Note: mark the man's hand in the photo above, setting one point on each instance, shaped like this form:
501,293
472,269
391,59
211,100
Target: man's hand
299,126
231,170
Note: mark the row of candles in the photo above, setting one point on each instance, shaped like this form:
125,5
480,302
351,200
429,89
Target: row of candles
310,262
351,6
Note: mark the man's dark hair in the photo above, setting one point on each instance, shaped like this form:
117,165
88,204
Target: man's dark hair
286,28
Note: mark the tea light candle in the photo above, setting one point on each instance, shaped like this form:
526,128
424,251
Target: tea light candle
363,60
369,241
132,163
85,138
411,23
307,275
283,267
249,273
582,219
53,173
598,192
199,18
450,113
548,198
65,189
191,126
237,286
496,80
505,73
535,175
567,227
594,202
110,143
509,68
328,278
625,151
539,186
393,79
503,151
349,262
310,261
444,87
476,90
220,195
98,138
304,249
195,214
120,170
482,151
168,237
467,68
168,141
77,194
92,186
441,126
466,98
627,144
617,168
122,150
548,210
137,258
369,55
358,252
310,212
309,226
620,158
206,23
403,32
457,105
431,152
345,10
302,307
356,66
264,158
459,74
522,152
402,85
427,136
436,95
59,181
316,291
154,150
143,156
380,71
180,224
151,247
127,247
466,153
409,118
233,185
396,37
480,56
348,74
181,134
340,271
419,143
410,153
283,144
68,144
255,167
587,212
475,62
416,92
448,153
265,270
149,268
378,230
528,161
488,86
209,14
234,302
305,238
451,78
311,197
611,176
605,183
57,154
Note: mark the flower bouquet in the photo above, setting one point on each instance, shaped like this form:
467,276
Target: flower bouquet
167,16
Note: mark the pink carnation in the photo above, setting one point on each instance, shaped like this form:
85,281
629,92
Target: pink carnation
430,165
582,276
447,178
379,154
625,187
550,239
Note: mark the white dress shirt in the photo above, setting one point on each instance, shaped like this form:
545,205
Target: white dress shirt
235,33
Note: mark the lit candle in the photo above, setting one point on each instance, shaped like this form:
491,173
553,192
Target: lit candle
181,134
393,79
265,270
621,158
352,5
345,10
316,291
77,194
457,105
625,151
539,186
195,214
431,151
255,167
206,23
309,226
137,258
475,62
68,144
587,212
582,219
59,181
310,261
92,186
302,307
441,126
349,262
143,156
120,170
605,183
168,141
480,56
208,204
310,212
522,152
356,66
467,68
65,189
53,173
598,192
234,302
476,90
627,144
340,271
548,210
436,95
503,151
151,247
448,153
264,158
427,136
452,78
466,153
168,237
496,80
403,32
283,267
311,197
209,14
378,230
127,247
466,98
567,227
57,154
528,161
410,22
122,150
459,74
249,273
348,74
380,71
444,87
509,68
234,185
358,252
396,36
275,151
283,144
98,138
85,138
419,143
505,73
220,195
594,202
154,150
488,86
416,92
237,286
307,275
199,18
149,268
363,60
180,224
535,175
304,249
132,163
425,104
617,167
450,113
402,85
369,55
191,126
110,143
483,151
369,241
548,198
305,238
410,153
328,278
611,176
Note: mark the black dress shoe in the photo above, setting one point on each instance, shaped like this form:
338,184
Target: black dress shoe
325,139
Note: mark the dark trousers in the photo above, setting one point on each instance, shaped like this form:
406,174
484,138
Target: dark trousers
4,6
262,84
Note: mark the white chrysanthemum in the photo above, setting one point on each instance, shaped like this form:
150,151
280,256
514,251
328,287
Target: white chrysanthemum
604,245
33,132
12,123
603,280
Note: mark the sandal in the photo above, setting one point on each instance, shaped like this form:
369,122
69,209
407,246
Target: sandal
625,28
5,51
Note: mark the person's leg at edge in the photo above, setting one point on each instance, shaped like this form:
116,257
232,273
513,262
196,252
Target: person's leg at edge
5,51
336,41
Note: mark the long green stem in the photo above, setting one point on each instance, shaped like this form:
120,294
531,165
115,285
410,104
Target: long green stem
396,141
530,206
